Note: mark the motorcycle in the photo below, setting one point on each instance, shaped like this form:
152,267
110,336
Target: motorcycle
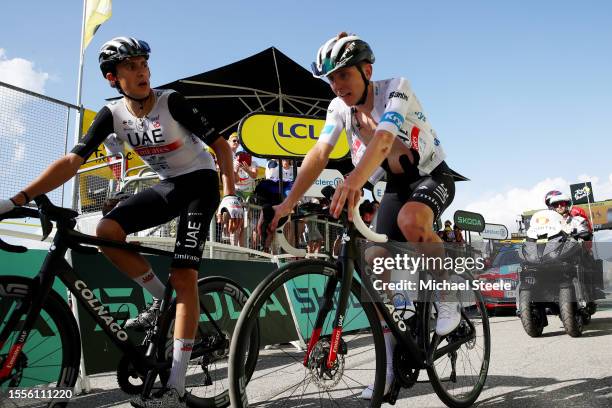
556,276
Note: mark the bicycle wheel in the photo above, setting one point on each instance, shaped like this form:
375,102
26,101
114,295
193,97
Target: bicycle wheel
51,354
459,361
285,305
221,301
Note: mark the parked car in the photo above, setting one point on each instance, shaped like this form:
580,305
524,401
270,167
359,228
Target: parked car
504,268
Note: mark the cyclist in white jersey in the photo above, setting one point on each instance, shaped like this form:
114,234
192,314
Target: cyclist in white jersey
169,135
386,127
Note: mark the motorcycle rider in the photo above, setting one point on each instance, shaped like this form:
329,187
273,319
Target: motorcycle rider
580,228
575,217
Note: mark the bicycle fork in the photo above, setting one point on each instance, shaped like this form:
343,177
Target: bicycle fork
328,296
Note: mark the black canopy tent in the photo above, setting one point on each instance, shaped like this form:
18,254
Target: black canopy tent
267,81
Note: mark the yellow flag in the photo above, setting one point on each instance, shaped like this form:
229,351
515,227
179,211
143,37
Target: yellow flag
96,12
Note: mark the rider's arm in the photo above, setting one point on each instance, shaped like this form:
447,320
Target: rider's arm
66,167
189,116
313,164
226,165
54,176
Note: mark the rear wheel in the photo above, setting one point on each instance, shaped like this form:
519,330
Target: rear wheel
286,306
206,381
531,314
458,362
52,352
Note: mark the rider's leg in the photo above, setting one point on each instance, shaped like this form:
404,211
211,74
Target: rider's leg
185,283
132,264
416,219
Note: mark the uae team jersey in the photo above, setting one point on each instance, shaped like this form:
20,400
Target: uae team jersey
171,139
396,110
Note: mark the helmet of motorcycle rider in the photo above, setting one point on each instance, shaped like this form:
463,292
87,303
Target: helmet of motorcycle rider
554,197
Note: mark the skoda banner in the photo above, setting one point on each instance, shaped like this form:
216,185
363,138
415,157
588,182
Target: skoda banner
469,221
328,177
277,135
494,231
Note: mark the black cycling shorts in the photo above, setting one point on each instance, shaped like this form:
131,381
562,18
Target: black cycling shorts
194,197
436,191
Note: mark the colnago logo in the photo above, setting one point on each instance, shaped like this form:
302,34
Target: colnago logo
394,118
399,95
99,308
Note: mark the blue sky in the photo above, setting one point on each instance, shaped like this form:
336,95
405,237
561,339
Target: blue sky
519,92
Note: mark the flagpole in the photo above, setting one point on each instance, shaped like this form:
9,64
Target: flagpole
82,384
79,115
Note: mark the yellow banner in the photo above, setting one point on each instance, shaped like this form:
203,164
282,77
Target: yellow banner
284,136
96,13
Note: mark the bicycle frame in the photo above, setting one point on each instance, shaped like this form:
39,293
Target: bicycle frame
414,343
56,266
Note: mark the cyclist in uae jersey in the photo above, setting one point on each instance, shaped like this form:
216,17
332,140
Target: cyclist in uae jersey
386,127
170,136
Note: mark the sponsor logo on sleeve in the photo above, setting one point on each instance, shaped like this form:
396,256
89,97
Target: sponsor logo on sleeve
394,118
328,129
399,95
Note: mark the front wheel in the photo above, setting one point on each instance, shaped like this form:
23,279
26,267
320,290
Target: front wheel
569,313
51,354
458,363
286,305
206,381
531,314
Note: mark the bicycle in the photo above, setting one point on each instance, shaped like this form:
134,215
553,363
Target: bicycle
345,349
32,313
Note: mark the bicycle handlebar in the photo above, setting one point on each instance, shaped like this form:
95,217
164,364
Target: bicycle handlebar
328,191
46,212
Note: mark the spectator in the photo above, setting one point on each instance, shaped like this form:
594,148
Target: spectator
287,170
458,235
447,234
245,172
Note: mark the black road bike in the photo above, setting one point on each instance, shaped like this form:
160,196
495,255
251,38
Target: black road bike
337,310
40,344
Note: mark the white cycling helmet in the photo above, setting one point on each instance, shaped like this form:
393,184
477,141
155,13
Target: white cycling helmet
555,196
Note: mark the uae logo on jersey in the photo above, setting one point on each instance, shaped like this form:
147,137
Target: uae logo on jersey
156,124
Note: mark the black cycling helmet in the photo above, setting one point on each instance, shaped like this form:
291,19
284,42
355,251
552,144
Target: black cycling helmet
342,51
119,49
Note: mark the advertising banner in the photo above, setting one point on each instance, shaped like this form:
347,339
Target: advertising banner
469,221
379,190
494,231
277,135
328,177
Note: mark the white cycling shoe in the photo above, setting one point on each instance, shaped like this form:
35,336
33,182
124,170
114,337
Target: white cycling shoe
366,394
449,315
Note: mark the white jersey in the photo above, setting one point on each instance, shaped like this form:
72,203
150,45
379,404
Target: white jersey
396,110
167,146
